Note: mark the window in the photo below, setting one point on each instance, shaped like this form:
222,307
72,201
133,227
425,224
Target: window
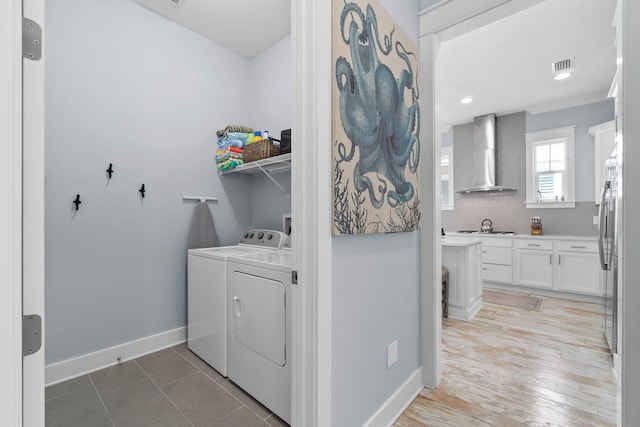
446,178
551,168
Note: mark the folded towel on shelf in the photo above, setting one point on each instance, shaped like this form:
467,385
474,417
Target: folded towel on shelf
237,140
234,129
229,164
223,157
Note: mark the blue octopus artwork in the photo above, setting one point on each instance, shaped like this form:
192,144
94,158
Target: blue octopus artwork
380,116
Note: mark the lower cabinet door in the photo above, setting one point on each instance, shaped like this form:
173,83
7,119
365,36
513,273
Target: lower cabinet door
533,268
497,273
578,272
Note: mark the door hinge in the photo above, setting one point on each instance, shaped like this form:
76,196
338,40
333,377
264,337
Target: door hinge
294,277
31,334
31,39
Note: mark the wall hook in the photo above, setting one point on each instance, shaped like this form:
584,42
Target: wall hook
110,170
77,201
142,191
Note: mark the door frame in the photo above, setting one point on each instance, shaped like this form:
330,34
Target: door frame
11,212
311,198
449,18
312,306
442,21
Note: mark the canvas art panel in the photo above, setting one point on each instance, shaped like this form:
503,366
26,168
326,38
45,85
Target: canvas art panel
375,122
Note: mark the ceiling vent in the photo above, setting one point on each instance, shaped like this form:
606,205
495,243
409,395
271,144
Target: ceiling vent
564,65
178,2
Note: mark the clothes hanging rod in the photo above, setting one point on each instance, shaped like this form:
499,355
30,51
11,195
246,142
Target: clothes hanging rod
201,198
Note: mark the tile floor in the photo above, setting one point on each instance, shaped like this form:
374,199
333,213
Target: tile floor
172,388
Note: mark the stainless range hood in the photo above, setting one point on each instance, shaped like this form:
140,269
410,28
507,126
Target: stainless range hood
484,156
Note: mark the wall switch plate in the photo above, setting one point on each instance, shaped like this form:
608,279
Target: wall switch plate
392,353
596,220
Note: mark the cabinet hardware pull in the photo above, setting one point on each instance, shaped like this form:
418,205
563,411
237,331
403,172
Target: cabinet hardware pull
551,262
484,268
559,259
533,244
578,247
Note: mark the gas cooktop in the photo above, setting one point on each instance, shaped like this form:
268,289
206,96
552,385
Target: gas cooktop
507,233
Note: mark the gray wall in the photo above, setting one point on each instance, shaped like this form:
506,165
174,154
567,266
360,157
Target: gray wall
583,117
507,210
126,86
376,297
427,3
272,88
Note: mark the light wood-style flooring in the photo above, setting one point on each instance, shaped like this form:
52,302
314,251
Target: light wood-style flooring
514,367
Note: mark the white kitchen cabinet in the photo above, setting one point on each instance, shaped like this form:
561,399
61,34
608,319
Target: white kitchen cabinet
578,268
545,265
462,257
497,261
561,265
604,137
533,267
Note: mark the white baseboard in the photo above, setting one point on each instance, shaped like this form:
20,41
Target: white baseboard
466,315
391,410
617,367
544,292
91,362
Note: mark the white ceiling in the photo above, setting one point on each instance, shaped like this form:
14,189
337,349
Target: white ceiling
506,65
248,27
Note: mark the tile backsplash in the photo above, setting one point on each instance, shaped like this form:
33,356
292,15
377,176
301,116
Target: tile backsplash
507,210
508,213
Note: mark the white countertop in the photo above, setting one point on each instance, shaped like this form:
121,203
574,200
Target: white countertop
522,236
461,240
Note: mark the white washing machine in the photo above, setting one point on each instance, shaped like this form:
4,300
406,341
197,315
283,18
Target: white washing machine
207,293
260,327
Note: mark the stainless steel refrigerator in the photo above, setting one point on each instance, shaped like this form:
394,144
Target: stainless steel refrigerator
608,247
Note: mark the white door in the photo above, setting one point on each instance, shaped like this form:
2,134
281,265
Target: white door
10,213
33,217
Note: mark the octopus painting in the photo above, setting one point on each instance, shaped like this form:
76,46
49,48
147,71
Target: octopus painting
376,123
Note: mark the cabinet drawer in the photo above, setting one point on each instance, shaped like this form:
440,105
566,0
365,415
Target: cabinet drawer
497,273
534,244
493,255
497,242
578,246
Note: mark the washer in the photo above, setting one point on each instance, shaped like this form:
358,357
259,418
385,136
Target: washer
207,293
259,334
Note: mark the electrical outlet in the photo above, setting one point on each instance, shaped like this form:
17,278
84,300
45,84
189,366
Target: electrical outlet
596,220
392,353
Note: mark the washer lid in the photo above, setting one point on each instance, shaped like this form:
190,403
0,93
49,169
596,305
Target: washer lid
278,260
223,252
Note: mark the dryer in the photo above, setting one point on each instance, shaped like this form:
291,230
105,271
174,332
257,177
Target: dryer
259,336
207,293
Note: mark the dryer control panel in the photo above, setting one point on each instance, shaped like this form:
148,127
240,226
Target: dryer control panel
267,238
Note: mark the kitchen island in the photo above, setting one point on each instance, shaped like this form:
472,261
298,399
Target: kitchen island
462,256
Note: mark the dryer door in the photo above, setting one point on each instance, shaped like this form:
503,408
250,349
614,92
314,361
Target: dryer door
258,315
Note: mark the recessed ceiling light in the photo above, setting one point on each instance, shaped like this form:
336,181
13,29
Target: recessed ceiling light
467,100
562,76
562,69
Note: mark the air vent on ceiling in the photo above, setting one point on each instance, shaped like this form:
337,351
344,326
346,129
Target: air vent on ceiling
565,64
178,2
